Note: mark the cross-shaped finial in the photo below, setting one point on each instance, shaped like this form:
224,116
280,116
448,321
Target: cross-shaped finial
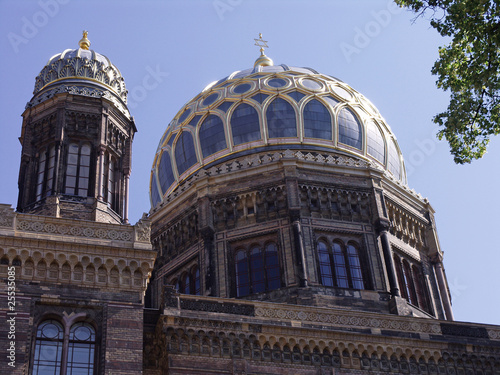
261,43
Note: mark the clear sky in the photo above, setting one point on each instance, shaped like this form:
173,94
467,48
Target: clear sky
180,46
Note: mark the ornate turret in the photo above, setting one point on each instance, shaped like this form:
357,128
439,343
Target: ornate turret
77,140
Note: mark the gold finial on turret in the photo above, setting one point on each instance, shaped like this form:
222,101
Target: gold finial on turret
263,60
84,42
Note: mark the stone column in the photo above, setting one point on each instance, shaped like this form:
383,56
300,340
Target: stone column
299,245
383,228
125,201
100,192
443,287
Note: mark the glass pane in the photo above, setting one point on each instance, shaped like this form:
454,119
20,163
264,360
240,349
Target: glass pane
212,137
242,279
394,165
340,267
355,267
155,195
375,142
210,99
349,128
281,119
317,121
325,264
185,154
85,160
71,170
257,271
240,89
166,175
72,159
84,171
245,124
224,106
85,149
296,95
260,97
276,82
48,348
184,116
272,267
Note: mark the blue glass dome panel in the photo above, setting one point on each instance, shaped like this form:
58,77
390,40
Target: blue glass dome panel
224,106
240,89
296,95
212,137
210,99
394,164
375,142
276,82
185,154
281,121
155,195
350,132
317,121
194,120
184,115
165,172
260,97
245,124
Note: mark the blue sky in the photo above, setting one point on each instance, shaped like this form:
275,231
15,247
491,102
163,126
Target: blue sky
183,45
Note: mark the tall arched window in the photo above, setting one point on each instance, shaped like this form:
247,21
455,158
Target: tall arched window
350,132
55,354
45,173
411,282
317,121
78,169
185,153
245,124
165,172
48,348
257,269
340,265
188,282
212,137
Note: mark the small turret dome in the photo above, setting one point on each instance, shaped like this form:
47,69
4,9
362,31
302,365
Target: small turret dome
81,71
275,108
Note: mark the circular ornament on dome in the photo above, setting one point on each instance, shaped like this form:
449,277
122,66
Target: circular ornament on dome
311,84
210,99
276,83
185,115
339,91
242,88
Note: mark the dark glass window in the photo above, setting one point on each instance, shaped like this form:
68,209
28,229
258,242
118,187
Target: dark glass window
224,106
78,169
375,142
245,124
195,276
240,89
281,119
349,129
276,82
185,153
411,283
317,121
185,283
184,116
210,99
340,266
188,282
394,165
257,269
45,177
48,358
166,175
110,180
423,300
212,137
325,264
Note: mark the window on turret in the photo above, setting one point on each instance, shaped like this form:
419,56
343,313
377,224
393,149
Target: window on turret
281,122
340,264
317,121
78,170
257,269
45,176
350,132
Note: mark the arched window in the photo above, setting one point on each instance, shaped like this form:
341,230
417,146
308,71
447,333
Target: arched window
55,353
109,181
185,283
81,349
317,121
188,282
195,276
212,137
350,132
393,163
411,283
245,124
78,170
45,176
340,266
325,264
281,121
47,357
422,296
257,269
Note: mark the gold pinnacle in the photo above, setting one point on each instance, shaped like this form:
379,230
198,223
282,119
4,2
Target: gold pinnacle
84,42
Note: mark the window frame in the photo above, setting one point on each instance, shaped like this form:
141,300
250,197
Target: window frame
79,168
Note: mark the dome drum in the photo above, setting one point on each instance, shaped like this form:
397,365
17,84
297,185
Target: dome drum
272,106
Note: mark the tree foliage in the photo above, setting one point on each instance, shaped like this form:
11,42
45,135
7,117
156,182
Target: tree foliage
469,67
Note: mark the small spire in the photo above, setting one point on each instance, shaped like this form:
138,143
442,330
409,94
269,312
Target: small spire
263,60
84,42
